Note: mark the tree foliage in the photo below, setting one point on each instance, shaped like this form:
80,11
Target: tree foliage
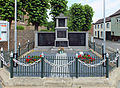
37,12
80,17
50,25
57,7
7,9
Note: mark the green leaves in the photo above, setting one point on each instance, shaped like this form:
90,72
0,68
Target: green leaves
80,17
7,9
57,7
37,12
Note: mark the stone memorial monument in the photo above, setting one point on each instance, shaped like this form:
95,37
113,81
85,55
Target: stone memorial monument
61,32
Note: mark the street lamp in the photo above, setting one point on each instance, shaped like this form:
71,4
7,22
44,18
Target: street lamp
104,29
15,29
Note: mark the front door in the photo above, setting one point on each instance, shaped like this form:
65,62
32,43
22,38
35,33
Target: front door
98,34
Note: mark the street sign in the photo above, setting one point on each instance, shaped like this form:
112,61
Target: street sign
4,29
4,32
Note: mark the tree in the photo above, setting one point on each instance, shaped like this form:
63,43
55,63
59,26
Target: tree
80,17
57,7
88,16
37,12
7,9
50,25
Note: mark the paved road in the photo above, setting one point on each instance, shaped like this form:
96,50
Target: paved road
109,44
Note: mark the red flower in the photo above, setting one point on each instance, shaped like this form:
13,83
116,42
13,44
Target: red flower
40,55
27,60
88,55
84,58
79,56
28,56
34,59
91,58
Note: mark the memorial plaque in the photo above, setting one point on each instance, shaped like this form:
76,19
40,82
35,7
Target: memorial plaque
46,39
61,22
61,43
61,34
77,39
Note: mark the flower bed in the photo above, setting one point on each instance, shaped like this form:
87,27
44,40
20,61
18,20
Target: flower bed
86,58
32,59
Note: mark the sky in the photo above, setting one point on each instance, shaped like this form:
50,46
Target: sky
111,7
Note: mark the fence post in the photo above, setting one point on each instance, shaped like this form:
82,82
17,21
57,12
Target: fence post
28,45
1,62
102,50
117,57
11,65
19,49
94,45
42,65
107,65
76,62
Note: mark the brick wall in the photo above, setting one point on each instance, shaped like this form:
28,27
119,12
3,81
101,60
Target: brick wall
91,30
22,35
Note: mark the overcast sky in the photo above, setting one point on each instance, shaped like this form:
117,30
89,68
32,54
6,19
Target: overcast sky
111,7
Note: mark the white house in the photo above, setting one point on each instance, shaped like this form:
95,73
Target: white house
99,28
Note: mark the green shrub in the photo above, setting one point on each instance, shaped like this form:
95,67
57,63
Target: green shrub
51,26
20,27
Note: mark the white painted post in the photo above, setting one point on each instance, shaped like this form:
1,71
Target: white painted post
104,30
15,28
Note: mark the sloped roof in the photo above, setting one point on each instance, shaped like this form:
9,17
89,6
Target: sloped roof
116,13
108,19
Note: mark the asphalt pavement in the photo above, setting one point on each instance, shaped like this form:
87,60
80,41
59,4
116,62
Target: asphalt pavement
109,44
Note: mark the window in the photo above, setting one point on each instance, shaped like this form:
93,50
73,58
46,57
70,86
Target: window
113,33
95,33
107,25
98,26
95,26
101,33
101,26
118,20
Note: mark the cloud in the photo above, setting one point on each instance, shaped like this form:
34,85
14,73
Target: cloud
111,7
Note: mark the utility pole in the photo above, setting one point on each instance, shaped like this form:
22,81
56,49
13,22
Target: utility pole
15,53
104,30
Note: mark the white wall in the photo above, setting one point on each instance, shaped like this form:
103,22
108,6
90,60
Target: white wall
101,29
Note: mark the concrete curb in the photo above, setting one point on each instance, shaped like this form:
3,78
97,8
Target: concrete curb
37,82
